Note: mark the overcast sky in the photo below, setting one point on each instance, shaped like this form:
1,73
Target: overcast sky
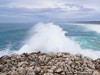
49,10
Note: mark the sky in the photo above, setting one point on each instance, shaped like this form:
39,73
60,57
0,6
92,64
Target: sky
49,10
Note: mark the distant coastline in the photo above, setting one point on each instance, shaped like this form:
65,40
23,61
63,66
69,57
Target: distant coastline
88,22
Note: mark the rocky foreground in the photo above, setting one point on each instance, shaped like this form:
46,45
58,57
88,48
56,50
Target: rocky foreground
38,63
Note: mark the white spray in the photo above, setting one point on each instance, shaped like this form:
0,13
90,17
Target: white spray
51,38
47,38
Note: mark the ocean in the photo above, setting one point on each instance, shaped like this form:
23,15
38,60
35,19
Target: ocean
50,37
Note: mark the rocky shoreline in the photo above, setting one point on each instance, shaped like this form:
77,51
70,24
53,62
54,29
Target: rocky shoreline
38,63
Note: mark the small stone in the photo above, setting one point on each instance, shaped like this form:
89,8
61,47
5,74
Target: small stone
53,68
59,70
22,71
50,70
37,69
23,64
59,54
92,66
78,55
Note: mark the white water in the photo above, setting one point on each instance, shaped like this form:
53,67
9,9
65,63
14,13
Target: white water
51,38
94,28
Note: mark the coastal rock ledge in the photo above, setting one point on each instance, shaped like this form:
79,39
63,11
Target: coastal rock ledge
38,63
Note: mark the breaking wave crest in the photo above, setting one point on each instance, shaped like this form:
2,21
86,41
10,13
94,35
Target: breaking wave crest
48,37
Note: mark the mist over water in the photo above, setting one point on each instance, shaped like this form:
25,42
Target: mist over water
50,37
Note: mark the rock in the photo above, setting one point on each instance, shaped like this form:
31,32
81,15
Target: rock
96,73
52,54
32,63
97,64
53,68
23,64
59,70
78,55
3,73
31,73
50,70
37,69
91,66
59,54
1,67
22,71
14,73
48,74
20,64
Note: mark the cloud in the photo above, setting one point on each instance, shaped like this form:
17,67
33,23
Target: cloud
45,13
48,3
47,10
5,1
